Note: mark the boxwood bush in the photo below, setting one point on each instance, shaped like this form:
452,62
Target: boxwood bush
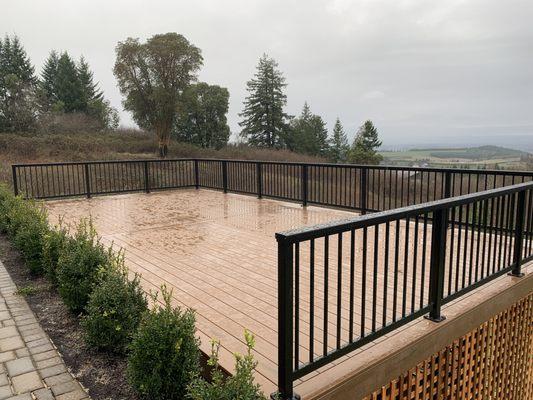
164,354
54,241
82,264
26,224
114,311
240,386
6,200
29,224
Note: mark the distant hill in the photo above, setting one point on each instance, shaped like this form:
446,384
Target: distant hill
475,153
488,156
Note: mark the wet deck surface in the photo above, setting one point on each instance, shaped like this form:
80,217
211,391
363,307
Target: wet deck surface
219,254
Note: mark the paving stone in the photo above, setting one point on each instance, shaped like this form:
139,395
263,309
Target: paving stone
65,387
44,394
19,366
3,380
50,362
7,355
11,343
5,392
27,382
76,395
45,355
57,379
41,349
24,352
8,331
52,371
25,396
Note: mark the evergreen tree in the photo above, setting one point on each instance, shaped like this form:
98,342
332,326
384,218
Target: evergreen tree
48,83
202,118
17,86
90,88
264,121
69,87
308,133
338,146
364,147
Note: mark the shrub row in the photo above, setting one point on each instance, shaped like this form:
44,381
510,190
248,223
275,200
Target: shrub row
160,343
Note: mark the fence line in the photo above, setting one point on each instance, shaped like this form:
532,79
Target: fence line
356,187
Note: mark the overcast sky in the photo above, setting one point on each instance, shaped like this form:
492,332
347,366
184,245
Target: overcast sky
441,72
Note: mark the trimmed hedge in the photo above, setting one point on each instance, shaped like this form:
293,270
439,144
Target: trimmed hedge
164,355
82,265
114,312
54,242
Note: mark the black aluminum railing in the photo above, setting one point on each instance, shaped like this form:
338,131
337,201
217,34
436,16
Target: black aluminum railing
346,283
434,235
357,187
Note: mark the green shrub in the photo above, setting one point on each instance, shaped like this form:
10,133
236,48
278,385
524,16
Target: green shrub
114,312
82,264
54,242
240,386
26,224
6,201
164,354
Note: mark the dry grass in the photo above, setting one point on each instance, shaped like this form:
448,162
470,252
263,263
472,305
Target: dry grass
123,144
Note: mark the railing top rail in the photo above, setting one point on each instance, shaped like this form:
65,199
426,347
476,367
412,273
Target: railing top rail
374,167
384,167
330,228
98,162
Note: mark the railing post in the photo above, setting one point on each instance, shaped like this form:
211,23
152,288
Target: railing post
304,185
146,178
196,175
87,181
225,176
519,235
259,176
363,188
436,274
15,181
447,184
285,321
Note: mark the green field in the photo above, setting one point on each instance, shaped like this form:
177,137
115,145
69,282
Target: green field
468,157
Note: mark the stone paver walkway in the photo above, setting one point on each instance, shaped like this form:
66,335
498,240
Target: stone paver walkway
30,366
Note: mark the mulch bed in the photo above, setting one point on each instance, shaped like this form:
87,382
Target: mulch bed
102,374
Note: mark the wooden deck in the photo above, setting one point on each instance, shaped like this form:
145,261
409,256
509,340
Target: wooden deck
218,253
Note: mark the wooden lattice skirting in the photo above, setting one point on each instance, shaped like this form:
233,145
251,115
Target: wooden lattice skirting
492,362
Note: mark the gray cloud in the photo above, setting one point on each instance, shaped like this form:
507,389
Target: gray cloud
424,71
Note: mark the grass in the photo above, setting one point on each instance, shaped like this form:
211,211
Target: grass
26,291
127,144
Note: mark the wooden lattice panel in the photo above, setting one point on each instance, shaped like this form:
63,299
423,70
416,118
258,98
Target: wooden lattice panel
493,362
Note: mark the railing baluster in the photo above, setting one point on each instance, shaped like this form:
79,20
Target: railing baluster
87,181
363,190
15,180
304,185
146,178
